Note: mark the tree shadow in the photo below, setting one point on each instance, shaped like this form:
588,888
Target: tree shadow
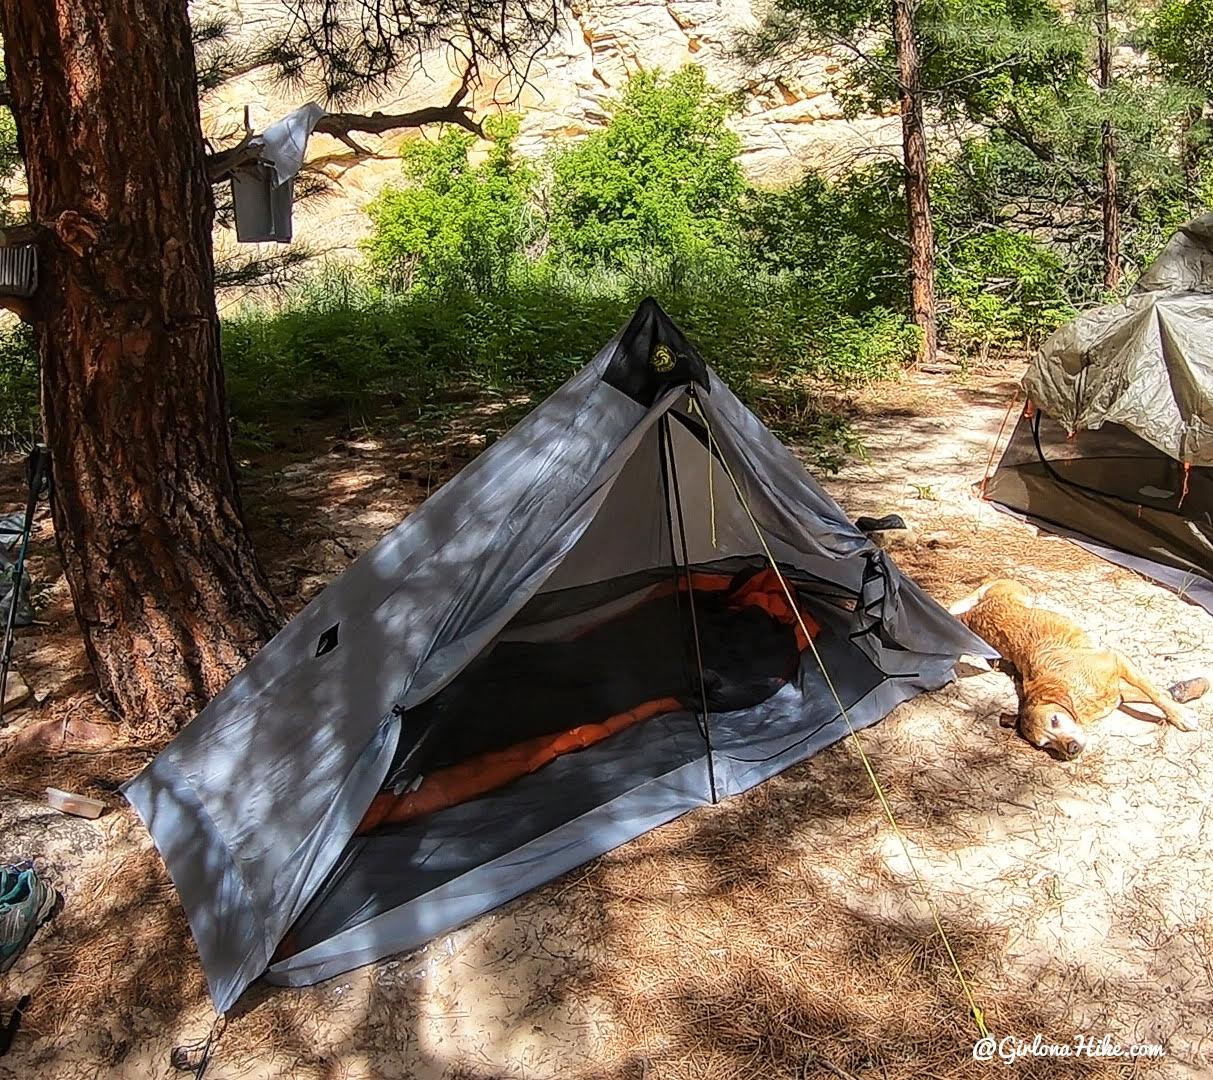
765,937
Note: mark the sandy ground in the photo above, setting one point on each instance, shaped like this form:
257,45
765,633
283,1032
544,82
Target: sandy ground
780,934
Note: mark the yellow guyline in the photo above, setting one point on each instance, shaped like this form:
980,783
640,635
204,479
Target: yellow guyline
974,1008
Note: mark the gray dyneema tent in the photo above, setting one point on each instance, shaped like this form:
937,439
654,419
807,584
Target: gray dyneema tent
1115,449
581,636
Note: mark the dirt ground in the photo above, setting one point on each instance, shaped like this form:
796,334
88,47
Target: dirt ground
780,934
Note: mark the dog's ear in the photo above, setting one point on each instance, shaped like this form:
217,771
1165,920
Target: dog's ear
1067,703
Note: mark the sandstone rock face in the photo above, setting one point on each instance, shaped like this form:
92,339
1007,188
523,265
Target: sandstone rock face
784,130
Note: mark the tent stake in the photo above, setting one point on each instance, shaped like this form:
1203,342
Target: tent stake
669,480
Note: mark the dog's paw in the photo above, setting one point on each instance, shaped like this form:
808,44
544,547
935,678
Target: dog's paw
1184,719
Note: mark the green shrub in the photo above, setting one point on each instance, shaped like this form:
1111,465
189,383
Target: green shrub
660,181
340,343
455,225
839,238
843,240
19,416
1002,288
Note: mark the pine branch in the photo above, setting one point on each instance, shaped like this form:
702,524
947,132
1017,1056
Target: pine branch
1020,131
345,49
217,59
340,125
225,163
274,271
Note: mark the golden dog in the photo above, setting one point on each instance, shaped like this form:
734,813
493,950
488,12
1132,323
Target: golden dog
1065,683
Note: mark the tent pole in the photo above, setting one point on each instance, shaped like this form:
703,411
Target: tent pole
669,478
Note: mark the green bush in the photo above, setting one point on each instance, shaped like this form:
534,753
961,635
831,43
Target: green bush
844,241
10,157
462,290
1002,288
339,343
455,224
660,181
19,416
458,294
839,238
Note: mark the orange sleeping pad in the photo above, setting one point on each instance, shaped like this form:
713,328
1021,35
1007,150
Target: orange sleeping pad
485,772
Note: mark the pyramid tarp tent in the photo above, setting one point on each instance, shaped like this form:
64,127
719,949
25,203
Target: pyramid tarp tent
1115,449
398,759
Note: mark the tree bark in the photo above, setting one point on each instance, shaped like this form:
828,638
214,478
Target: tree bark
918,200
1111,208
166,585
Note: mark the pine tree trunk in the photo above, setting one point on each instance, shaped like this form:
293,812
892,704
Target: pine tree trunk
1111,209
918,199
167,588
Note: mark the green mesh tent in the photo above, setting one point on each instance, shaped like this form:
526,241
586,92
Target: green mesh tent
1115,448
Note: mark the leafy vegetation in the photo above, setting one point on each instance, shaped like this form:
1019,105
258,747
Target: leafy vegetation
18,384
10,158
504,276
1011,88
344,343
1180,38
484,270
661,179
454,224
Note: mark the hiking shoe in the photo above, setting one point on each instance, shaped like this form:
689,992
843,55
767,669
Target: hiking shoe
25,904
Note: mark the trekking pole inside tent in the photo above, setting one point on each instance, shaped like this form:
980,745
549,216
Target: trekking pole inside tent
669,478
37,473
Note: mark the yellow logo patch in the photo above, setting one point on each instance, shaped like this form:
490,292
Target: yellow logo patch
662,359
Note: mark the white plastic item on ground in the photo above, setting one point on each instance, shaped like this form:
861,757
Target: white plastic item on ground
70,803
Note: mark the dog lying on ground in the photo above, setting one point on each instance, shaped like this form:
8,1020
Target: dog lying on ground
1065,683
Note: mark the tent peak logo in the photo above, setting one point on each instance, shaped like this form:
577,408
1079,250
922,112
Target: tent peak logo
662,359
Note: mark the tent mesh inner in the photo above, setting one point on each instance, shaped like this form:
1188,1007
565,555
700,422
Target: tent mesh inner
577,656
1111,461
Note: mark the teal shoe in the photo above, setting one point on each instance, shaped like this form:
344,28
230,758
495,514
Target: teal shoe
25,904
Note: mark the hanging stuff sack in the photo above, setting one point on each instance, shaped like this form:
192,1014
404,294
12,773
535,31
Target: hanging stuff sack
262,206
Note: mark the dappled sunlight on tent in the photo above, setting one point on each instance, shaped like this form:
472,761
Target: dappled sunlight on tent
643,476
